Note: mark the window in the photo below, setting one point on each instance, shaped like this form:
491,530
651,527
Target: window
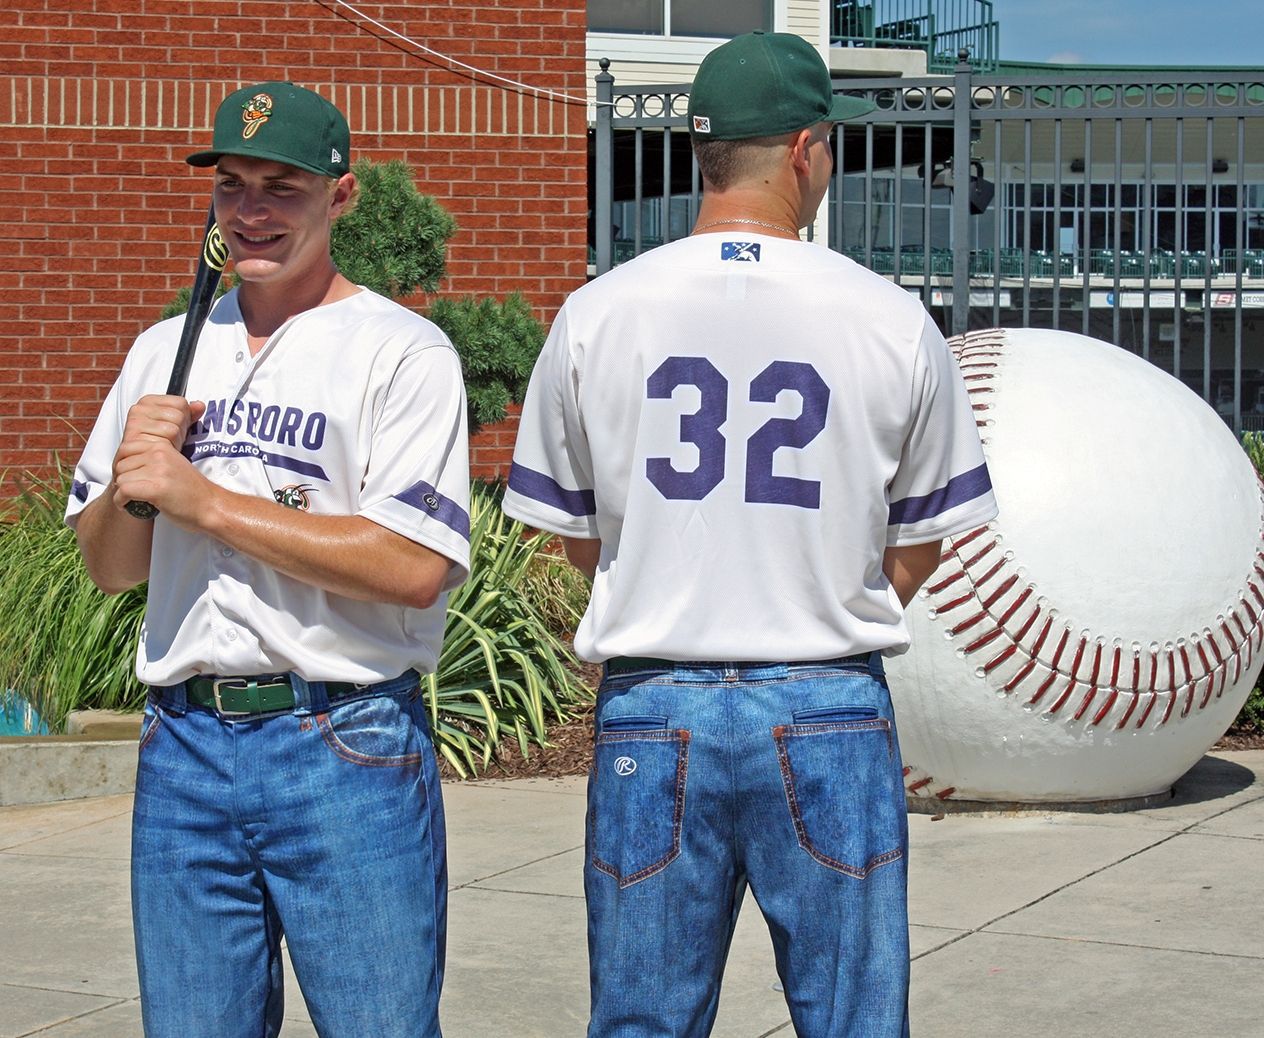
679,17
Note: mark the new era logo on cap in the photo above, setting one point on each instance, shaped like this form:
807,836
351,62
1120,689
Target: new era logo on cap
701,124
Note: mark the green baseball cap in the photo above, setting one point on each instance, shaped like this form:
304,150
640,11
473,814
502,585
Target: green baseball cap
284,123
762,84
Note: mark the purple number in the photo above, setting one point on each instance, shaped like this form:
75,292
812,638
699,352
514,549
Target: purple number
761,485
701,428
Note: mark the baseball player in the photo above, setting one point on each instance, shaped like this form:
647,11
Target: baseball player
313,495
755,447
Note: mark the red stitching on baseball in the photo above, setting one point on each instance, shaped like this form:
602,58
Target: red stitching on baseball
1001,657
1110,701
1018,678
1132,705
1060,702
1241,624
966,624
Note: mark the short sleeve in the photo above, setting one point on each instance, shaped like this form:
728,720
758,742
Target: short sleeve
942,485
417,481
551,482
144,370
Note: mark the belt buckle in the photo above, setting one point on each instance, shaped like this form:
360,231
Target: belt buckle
219,704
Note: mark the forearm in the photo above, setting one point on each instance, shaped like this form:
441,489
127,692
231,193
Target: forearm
908,567
115,546
345,555
583,554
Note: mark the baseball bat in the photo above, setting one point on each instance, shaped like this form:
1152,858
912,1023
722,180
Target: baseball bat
210,268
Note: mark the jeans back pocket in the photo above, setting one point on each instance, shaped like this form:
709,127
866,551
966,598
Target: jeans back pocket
844,790
637,800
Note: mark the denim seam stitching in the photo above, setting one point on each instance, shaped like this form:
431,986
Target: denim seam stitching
796,816
148,737
344,751
678,817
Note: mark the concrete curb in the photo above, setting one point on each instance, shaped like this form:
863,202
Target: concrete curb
42,769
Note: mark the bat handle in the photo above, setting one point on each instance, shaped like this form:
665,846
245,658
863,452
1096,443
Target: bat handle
141,509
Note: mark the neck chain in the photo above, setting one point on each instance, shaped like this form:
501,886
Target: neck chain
756,223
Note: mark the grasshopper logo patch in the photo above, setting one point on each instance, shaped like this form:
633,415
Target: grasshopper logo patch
254,113
296,495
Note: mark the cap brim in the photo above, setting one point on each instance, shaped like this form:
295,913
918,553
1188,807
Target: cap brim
847,107
210,158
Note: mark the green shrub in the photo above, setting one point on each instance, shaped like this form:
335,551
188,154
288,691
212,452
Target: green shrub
498,343
502,673
395,239
62,643
1251,717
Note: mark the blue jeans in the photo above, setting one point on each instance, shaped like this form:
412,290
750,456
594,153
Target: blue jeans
708,778
324,825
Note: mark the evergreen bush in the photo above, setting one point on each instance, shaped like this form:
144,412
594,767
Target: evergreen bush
394,240
1250,718
498,343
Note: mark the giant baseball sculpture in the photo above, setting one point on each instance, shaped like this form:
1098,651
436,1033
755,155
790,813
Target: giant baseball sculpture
1100,635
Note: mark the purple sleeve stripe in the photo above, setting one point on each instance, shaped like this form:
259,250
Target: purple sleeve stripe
79,490
542,488
957,491
425,498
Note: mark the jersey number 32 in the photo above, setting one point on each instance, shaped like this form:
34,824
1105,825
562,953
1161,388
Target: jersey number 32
702,428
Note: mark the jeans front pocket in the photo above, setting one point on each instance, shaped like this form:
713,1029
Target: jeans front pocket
843,789
376,732
150,722
637,801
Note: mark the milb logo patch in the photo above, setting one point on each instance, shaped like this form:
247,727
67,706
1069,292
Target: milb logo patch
740,251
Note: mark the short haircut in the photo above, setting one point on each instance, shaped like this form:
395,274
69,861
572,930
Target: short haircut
724,164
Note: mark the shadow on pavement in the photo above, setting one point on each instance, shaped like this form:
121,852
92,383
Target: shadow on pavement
1212,778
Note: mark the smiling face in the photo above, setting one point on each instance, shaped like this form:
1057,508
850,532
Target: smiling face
276,219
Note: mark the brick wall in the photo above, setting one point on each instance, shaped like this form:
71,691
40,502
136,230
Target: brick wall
100,217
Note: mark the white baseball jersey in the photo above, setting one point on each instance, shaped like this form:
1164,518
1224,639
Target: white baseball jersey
356,407
746,423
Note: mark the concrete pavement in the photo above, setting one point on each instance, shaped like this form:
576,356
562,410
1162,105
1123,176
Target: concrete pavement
1131,925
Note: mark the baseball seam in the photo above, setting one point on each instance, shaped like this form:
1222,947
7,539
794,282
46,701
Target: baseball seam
1084,674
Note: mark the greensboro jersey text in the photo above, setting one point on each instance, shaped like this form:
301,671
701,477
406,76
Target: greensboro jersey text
356,407
746,423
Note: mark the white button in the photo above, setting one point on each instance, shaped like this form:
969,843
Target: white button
232,469
240,355
226,552
232,636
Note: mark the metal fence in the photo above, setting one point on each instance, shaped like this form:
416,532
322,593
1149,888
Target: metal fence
1127,209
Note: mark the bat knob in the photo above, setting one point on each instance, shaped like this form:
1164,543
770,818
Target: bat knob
141,509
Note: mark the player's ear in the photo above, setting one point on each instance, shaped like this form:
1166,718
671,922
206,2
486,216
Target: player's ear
800,151
342,193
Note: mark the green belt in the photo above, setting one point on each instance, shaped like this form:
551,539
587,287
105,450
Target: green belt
251,695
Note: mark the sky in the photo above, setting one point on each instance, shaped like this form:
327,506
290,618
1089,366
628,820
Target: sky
1132,32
